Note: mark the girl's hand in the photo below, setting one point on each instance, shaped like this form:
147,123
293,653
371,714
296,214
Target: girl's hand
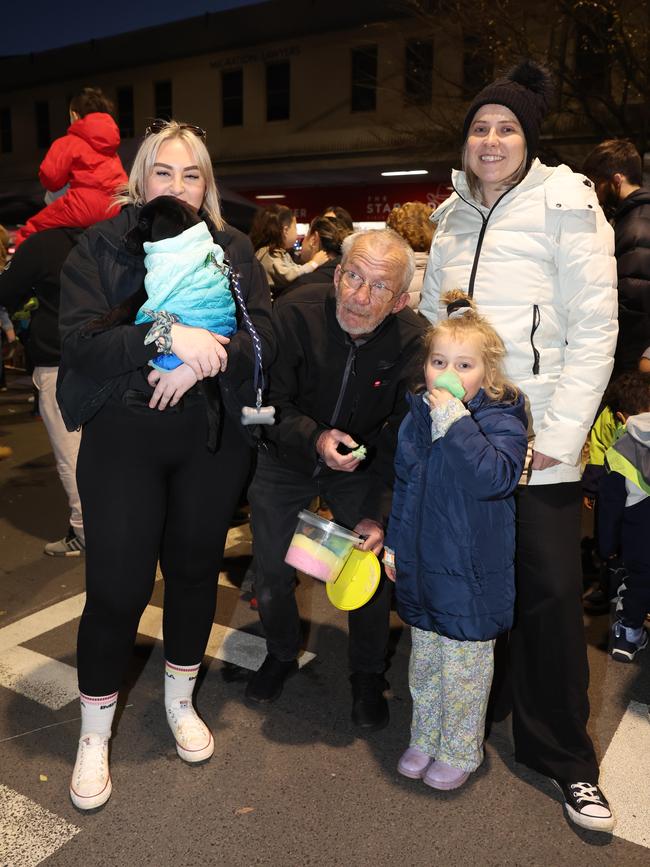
170,386
390,573
202,350
439,397
319,257
542,462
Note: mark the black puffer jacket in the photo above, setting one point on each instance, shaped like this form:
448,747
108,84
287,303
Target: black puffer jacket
322,379
104,270
632,229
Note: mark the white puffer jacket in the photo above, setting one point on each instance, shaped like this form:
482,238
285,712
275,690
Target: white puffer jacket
545,277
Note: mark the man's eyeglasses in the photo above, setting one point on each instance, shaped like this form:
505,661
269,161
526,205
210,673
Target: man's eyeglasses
158,125
378,289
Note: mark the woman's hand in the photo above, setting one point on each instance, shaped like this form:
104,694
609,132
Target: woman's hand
202,350
542,462
170,386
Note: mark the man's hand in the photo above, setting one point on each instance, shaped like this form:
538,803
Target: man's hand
202,350
170,386
326,446
542,462
374,534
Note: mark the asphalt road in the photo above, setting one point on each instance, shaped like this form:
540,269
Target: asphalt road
291,786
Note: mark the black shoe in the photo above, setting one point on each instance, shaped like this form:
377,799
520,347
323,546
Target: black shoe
369,706
266,683
586,806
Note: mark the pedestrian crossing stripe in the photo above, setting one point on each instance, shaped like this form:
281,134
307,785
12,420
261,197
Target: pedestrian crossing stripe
30,833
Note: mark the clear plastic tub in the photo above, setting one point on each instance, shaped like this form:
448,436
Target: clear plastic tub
319,547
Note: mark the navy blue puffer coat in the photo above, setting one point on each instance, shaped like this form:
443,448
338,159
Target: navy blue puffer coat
452,524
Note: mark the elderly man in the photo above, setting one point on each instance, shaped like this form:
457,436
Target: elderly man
346,356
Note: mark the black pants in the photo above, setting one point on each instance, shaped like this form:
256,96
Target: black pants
276,495
635,548
547,648
150,489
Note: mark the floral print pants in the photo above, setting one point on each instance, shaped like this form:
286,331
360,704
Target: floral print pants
450,684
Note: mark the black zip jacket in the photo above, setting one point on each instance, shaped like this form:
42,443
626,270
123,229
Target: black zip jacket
632,232
322,379
35,269
105,269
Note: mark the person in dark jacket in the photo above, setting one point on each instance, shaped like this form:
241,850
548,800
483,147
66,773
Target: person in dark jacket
326,234
616,169
345,358
450,545
151,488
36,271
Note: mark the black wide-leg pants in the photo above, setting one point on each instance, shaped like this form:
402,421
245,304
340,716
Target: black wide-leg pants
547,648
150,490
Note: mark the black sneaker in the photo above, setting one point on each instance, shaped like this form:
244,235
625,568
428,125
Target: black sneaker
266,684
369,705
624,650
586,806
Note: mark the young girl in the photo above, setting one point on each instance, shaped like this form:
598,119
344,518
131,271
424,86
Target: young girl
451,538
83,166
273,234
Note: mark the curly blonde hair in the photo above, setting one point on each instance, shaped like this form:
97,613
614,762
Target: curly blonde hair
411,221
133,192
493,351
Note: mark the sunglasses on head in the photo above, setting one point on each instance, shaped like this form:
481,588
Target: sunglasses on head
158,125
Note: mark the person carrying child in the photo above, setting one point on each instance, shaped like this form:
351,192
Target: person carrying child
624,510
450,545
85,164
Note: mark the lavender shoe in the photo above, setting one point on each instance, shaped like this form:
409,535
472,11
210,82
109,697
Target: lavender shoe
440,775
414,763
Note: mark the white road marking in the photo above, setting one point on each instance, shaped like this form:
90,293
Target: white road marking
38,677
54,684
624,775
226,644
30,834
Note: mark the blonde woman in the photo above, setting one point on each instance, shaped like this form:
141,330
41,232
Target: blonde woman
151,488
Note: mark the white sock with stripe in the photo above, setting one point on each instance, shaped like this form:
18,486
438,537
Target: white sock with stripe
97,712
180,681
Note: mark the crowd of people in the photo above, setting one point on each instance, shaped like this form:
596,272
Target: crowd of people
467,350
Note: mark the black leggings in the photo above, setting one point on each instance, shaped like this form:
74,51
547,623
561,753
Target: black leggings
150,489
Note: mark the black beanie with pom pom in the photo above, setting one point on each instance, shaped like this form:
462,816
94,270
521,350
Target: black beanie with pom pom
526,90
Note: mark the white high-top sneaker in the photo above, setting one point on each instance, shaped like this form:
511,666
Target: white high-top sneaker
194,741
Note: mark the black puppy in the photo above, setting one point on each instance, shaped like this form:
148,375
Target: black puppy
162,217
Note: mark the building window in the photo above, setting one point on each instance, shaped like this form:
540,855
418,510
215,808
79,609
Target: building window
278,90
163,100
364,78
418,76
42,117
125,112
232,97
478,65
6,138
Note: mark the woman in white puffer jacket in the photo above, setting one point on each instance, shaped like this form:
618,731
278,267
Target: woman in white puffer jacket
531,245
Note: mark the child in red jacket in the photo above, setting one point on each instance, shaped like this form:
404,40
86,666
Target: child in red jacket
85,160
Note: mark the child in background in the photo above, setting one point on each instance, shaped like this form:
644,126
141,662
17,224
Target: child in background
85,159
624,510
451,538
273,234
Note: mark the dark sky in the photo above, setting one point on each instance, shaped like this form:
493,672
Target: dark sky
37,25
